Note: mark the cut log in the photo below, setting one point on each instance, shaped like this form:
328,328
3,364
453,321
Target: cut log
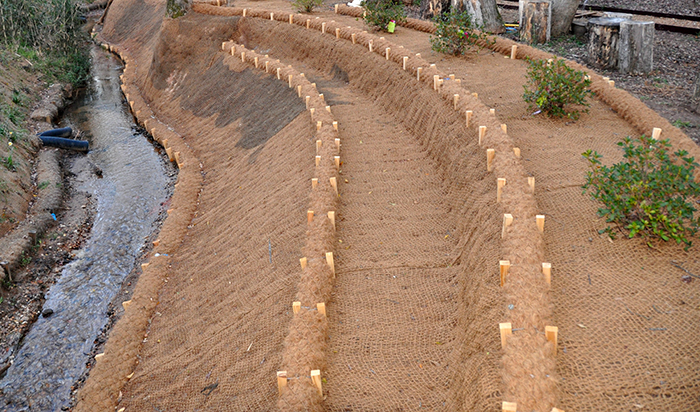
636,47
537,22
603,39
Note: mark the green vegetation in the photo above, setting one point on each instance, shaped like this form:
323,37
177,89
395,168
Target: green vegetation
379,13
456,33
43,185
48,34
177,8
553,87
681,123
306,5
650,193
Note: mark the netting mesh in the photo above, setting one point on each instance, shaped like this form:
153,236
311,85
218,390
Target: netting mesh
413,312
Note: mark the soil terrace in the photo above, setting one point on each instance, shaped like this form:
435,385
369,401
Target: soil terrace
413,308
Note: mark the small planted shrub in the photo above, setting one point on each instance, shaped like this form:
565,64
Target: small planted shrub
555,88
306,6
456,33
379,13
650,194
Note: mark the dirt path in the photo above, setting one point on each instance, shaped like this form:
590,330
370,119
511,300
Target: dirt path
394,297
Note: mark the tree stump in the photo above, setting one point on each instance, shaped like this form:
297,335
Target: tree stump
537,22
636,47
603,38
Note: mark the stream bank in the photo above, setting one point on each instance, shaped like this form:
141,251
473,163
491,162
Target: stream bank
116,197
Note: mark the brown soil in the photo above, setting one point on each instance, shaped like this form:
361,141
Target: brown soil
413,310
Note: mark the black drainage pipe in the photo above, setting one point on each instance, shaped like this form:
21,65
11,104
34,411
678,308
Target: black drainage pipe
62,132
61,143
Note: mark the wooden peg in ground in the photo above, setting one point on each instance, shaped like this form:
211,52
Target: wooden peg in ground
282,382
334,184
509,407
296,307
469,114
547,272
482,134
316,379
656,133
500,183
302,262
331,217
330,262
540,223
551,332
309,216
506,330
490,155
321,307
504,266
507,221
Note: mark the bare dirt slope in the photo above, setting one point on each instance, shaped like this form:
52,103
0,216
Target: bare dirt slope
414,311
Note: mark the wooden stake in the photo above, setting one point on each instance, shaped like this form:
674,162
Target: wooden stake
482,134
290,81
296,307
267,66
540,222
531,183
291,19
334,184
233,49
310,213
547,272
255,61
451,76
282,382
318,146
329,261
321,307
418,71
371,43
336,8
337,144
331,217
354,39
328,109
223,47
308,100
320,96
405,60
99,356
492,111
299,90
611,83
552,332
243,57
314,182
506,331
455,100
335,126
303,261
513,51
336,159
337,33
126,304
469,114
308,23
386,52
516,151
504,128
507,221
656,133
279,76
244,12
311,112
509,407
316,379
436,78
490,155
476,95
323,27
499,188
504,266
318,160
556,410
319,125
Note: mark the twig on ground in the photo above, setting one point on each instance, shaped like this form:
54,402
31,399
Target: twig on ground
684,269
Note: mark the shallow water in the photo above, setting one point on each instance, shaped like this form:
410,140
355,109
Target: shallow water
129,199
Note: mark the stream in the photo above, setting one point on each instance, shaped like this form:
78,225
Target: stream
128,199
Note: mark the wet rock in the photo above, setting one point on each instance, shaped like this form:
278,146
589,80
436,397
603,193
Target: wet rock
47,312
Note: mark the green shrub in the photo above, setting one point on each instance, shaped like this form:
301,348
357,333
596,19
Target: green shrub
456,33
177,8
553,87
378,13
306,5
650,193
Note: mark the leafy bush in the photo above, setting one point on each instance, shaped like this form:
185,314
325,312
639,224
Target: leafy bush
650,194
553,87
177,8
306,5
456,33
378,13
49,34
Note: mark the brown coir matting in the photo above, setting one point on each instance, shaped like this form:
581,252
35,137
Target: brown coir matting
437,347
